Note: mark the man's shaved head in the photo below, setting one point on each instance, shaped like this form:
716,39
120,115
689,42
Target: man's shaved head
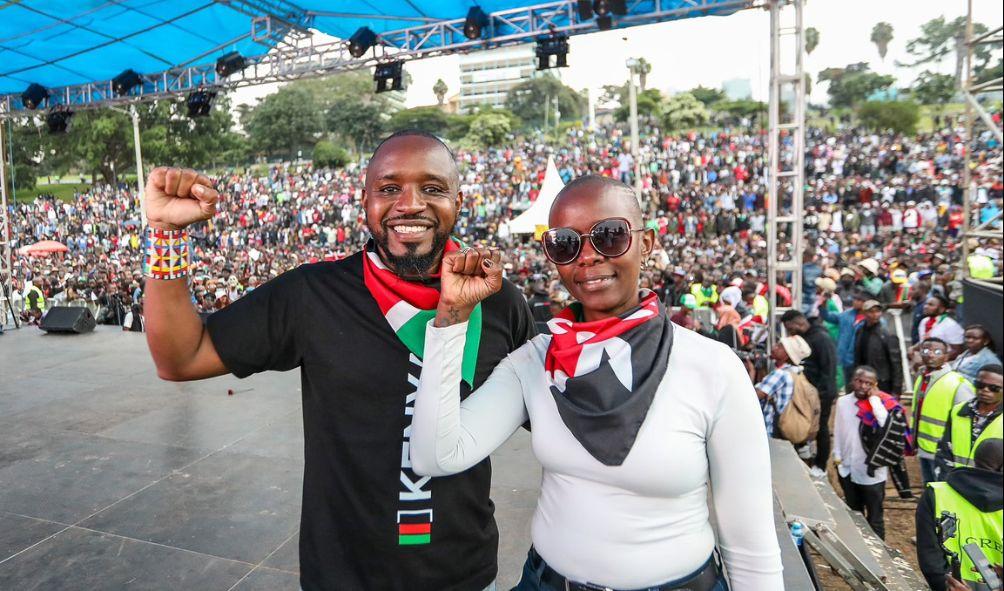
413,133
605,188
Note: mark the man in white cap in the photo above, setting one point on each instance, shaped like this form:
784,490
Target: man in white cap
776,389
870,280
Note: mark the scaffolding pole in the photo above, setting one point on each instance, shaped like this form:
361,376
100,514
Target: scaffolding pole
784,225
6,256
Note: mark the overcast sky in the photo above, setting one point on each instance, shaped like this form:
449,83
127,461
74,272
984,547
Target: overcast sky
710,50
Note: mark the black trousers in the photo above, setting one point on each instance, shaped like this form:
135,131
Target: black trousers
866,498
823,438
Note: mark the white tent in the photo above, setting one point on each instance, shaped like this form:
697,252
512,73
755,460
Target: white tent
535,217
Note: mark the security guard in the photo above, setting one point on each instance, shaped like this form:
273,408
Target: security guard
935,393
975,496
980,266
705,292
975,421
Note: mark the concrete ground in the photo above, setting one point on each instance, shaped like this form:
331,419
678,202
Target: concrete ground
113,479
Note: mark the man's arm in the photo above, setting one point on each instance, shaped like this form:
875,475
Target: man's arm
178,341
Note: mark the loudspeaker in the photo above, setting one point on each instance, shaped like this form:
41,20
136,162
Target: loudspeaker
68,319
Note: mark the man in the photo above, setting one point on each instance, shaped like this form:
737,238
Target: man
875,347
368,521
863,485
935,392
704,290
869,276
776,389
975,496
939,324
685,315
974,421
821,370
847,323
811,271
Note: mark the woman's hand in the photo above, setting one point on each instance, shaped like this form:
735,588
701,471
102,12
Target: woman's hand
468,277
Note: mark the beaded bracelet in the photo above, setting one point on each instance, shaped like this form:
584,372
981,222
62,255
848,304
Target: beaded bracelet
166,254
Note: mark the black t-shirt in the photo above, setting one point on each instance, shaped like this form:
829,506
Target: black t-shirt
368,521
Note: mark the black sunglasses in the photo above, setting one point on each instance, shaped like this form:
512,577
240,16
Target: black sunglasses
992,387
610,238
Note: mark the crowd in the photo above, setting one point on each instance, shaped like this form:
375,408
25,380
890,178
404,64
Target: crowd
882,221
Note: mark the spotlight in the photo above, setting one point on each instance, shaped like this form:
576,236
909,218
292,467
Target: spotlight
602,10
556,45
361,41
58,121
125,82
389,72
476,21
34,96
199,103
230,63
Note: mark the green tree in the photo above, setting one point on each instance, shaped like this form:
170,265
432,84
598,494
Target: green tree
811,39
440,89
353,111
684,111
895,116
328,155
707,96
650,104
429,119
168,135
735,111
488,129
285,122
938,38
853,84
102,141
530,99
881,36
932,88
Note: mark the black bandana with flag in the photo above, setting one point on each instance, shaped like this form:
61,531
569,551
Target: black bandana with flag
604,374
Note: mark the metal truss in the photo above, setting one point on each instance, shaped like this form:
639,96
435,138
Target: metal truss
975,113
785,180
6,256
297,56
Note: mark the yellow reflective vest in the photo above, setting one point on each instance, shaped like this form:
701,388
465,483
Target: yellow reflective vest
704,300
980,266
973,526
934,409
963,445
38,293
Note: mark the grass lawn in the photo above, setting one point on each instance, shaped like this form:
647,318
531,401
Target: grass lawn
63,192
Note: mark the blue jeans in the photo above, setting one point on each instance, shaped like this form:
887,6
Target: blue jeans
533,571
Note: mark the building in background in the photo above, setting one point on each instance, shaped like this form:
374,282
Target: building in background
487,76
738,89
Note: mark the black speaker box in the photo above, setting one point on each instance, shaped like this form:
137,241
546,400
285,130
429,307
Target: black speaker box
68,319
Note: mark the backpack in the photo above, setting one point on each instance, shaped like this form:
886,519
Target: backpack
799,422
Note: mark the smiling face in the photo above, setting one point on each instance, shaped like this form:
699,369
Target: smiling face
411,200
604,286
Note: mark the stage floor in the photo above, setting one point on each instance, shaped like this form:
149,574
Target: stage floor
113,479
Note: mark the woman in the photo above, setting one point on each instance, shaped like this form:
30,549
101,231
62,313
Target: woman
980,351
632,417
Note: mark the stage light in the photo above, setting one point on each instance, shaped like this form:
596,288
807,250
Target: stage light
34,96
476,21
200,103
230,63
58,121
556,45
125,82
602,10
361,41
392,72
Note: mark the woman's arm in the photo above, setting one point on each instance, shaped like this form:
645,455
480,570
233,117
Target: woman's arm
448,436
739,466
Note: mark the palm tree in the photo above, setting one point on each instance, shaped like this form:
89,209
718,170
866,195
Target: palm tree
440,89
643,69
881,36
811,39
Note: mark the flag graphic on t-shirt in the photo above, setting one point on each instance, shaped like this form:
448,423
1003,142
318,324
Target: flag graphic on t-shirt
414,527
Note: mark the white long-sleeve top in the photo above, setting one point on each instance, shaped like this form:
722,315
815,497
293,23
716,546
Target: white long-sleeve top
644,522
847,447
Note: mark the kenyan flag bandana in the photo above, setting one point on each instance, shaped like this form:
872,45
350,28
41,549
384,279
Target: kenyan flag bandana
409,306
604,374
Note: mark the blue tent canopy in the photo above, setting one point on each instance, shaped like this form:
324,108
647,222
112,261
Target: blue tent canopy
59,43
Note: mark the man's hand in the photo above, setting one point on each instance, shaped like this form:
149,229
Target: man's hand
176,198
953,584
468,277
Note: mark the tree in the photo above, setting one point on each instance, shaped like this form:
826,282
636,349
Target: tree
440,89
683,111
169,135
644,69
707,96
650,104
811,39
328,155
102,142
736,111
938,38
352,109
881,36
488,129
429,119
895,116
286,122
528,100
853,84
932,88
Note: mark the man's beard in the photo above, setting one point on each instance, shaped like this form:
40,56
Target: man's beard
412,264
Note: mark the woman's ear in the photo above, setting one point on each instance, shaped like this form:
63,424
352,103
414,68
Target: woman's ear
648,239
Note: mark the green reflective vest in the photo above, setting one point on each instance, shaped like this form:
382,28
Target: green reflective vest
981,266
973,526
963,445
38,293
704,300
934,409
